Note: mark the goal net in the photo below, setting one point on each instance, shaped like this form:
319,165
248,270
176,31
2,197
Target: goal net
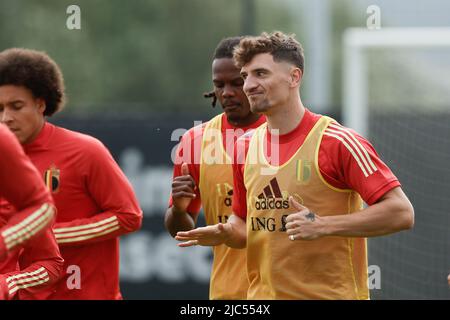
396,92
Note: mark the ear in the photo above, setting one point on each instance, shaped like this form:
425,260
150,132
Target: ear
41,105
296,76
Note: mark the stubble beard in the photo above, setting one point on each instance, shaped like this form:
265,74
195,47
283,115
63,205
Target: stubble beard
260,106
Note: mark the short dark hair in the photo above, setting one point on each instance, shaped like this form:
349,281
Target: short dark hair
35,71
225,47
223,50
282,47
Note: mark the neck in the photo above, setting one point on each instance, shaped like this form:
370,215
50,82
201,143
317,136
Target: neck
35,134
287,117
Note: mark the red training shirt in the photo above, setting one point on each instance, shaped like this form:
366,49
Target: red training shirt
337,161
29,256
95,203
189,150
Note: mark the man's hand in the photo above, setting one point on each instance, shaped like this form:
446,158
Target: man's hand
183,189
205,236
304,224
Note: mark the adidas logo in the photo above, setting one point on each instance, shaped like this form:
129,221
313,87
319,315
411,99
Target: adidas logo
271,197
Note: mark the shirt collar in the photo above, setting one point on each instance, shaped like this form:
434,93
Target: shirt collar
303,127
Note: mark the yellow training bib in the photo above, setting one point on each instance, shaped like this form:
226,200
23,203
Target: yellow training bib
229,269
278,268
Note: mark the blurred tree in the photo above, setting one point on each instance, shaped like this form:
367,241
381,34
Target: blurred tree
140,55
248,17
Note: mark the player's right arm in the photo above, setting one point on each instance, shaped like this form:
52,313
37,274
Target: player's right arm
177,216
22,186
234,232
185,203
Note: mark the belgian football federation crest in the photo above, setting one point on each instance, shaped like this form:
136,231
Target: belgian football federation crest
304,168
52,179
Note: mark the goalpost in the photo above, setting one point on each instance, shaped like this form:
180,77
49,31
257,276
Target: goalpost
356,42
414,142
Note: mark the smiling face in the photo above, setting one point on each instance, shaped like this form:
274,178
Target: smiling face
228,90
267,83
21,112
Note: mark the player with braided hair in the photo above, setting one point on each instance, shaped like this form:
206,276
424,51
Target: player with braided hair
203,173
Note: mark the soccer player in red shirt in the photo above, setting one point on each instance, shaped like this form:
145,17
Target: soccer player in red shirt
299,187
29,256
94,200
198,183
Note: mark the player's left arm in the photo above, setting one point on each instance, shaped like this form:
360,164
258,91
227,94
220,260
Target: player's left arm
352,163
233,234
22,186
392,213
40,266
109,187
